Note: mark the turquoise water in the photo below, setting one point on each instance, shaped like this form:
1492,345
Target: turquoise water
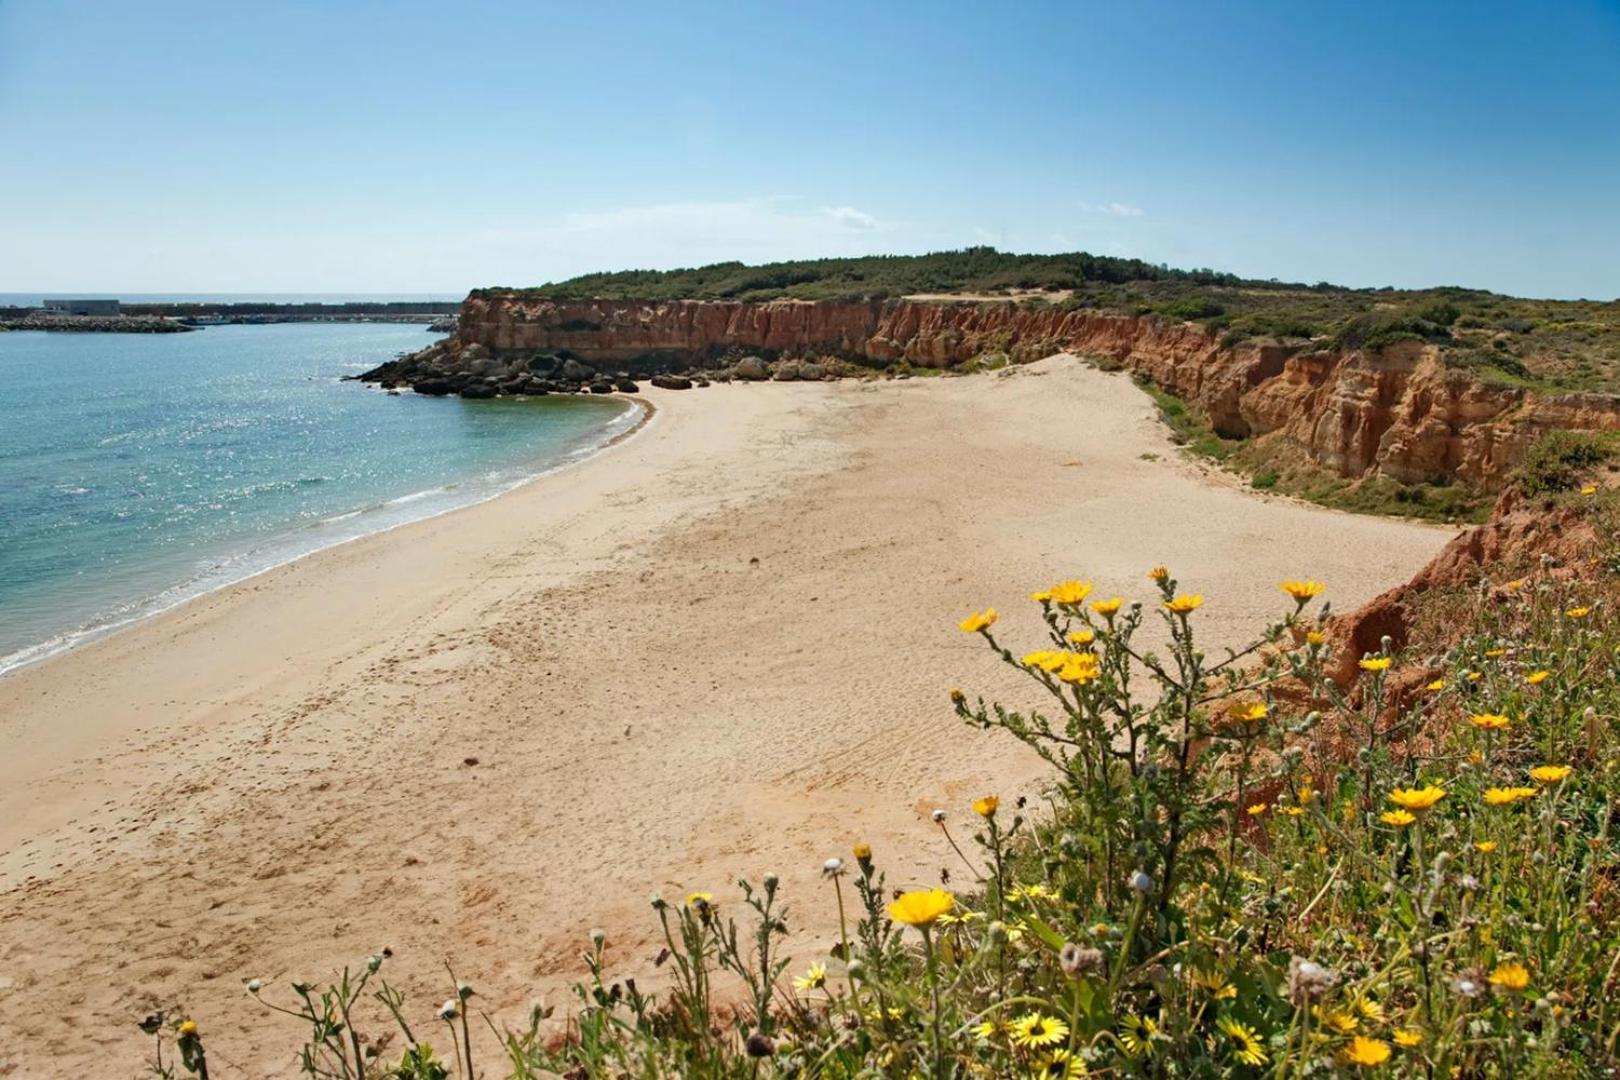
139,470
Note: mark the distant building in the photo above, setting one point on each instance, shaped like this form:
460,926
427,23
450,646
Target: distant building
83,307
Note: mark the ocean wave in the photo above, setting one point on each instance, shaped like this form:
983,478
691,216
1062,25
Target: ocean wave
219,572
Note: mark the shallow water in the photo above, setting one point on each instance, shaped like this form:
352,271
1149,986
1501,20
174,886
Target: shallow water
139,470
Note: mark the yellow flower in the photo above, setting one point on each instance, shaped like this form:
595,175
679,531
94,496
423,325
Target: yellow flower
1294,811
988,1030
1158,573
1217,984
1082,637
1241,719
1336,1020
1059,1064
1042,596
1494,653
1437,685
1257,809
1485,847
1549,774
1186,603
1375,663
1488,721
1578,612
1303,591
1507,796
1510,976
987,805
1045,659
1472,676
1315,637
1247,1048
1137,1038
1417,800
1365,1051
186,1029
1398,818
979,620
1079,668
1036,1032
1107,608
1371,1009
1536,677
1589,490
957,697
921,906
863,851
699,899
814,979
1408,1037
1513,586
1069,592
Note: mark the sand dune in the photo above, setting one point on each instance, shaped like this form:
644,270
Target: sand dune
721,648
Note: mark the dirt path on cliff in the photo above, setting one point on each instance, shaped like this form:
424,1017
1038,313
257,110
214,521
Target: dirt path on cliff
721,648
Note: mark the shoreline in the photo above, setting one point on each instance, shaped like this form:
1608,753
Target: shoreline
667,670
154,606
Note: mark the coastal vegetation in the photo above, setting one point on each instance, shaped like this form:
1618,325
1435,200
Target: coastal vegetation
1504,340
1290,859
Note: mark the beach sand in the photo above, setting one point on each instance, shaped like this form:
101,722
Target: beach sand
720,648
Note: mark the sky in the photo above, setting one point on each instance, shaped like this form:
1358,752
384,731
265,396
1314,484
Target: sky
407,147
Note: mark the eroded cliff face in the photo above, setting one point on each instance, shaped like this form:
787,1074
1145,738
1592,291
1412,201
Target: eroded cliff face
1399,412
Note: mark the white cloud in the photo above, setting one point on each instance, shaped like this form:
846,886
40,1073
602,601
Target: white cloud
1113,209
850,217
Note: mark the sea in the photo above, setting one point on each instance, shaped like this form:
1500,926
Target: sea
140,470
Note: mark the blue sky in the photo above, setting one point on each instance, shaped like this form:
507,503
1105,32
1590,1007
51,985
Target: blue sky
413,147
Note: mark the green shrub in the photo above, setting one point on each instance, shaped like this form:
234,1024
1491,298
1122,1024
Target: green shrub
1558,460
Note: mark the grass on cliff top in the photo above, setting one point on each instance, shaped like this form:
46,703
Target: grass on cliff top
1547,345
1275,463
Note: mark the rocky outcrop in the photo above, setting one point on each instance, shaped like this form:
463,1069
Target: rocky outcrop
1532,538
1399,412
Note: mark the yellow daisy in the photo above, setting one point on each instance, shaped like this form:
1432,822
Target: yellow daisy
1036,1032
1366,1052
1069,593
979,620
1303,591
921,906
1417,800
1510,976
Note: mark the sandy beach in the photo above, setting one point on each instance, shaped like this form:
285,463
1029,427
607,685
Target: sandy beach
719,648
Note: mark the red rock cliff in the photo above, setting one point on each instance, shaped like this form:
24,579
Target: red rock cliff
1399,412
